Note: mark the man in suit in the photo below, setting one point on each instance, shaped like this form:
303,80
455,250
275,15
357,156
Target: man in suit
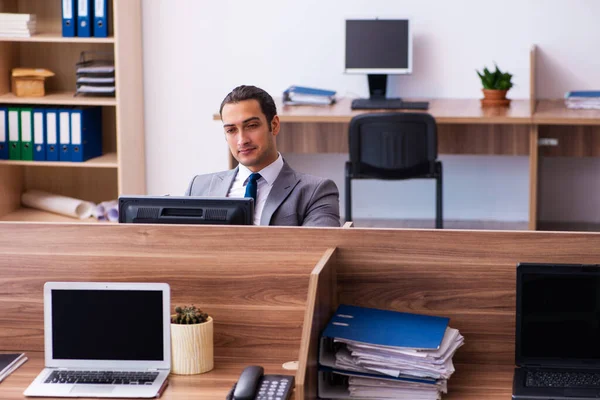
282,195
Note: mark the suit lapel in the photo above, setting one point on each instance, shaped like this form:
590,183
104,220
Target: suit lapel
282,187
222,183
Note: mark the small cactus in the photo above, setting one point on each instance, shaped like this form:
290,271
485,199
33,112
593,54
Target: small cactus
188,315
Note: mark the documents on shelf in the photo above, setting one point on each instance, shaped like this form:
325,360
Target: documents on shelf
370,353
95,74
583,99
17,25
300,95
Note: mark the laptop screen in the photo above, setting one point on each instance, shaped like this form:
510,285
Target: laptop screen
107,325
558,315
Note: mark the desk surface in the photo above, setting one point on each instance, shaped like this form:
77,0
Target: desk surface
453,111
554,112
211,385
493,382
446,111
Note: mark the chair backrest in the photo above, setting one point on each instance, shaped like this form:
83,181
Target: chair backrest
386,143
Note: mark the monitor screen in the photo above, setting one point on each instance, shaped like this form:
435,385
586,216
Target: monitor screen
378,46
186,210
558,315
92,325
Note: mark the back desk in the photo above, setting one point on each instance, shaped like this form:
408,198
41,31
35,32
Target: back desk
271,290
464,127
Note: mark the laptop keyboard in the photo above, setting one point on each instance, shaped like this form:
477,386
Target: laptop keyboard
103,377
562,379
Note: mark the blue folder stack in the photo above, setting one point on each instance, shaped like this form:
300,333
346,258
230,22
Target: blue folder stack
300,95
378,354
586,99
72,134
85,18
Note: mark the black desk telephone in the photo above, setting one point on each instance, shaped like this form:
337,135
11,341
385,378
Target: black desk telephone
254,385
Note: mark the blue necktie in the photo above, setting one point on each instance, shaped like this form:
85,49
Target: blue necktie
252,186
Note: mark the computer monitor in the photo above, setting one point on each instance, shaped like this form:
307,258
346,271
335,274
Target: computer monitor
378,47
186,210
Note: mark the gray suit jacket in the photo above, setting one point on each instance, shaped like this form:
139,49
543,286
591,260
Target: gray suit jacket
295,199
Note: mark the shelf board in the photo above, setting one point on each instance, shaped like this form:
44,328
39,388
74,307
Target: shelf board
56,37
59,98
108,160
33,215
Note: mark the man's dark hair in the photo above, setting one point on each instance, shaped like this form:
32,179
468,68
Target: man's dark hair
244,92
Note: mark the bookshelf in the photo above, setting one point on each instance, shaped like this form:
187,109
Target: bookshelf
121,169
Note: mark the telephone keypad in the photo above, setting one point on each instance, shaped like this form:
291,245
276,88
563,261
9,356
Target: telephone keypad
275,387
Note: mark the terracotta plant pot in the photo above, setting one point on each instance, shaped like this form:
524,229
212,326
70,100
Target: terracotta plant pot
192,348
494,98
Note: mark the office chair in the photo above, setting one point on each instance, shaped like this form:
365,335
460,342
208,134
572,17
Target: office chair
394,146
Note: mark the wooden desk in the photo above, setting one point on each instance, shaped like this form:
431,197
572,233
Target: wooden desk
272,307
464,127
211,385
255,288
577,132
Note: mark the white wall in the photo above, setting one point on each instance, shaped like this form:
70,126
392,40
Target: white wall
195,52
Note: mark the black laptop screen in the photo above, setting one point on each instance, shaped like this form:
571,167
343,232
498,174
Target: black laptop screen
559,316
107,325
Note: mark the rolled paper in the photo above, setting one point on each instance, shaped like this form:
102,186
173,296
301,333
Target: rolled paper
63,205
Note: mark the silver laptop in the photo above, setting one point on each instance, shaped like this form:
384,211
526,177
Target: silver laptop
105,340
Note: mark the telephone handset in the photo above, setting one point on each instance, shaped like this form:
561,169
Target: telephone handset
254,385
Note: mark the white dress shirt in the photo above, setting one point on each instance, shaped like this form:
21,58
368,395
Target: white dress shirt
267,176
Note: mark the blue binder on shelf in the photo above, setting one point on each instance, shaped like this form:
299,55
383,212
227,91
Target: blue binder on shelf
3,133
101,18
86,133
52,131
69,18
64,134
84,18
39,134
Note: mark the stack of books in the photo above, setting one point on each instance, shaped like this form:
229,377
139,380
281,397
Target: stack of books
17,25
95,75
586,99
368,353
300,95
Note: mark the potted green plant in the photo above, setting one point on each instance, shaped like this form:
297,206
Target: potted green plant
191,341
495,85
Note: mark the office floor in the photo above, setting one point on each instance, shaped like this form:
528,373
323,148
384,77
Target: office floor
448,224
476,224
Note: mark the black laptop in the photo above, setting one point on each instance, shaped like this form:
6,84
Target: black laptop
558,332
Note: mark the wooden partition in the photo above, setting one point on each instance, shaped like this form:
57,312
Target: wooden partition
253,281
271,290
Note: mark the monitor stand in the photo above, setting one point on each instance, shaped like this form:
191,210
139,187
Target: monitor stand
378,101
378,87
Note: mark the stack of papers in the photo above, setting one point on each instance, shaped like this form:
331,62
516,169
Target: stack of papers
300,95
386,354
583,99
96,77
17,25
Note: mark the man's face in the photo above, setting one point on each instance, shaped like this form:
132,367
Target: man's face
250,139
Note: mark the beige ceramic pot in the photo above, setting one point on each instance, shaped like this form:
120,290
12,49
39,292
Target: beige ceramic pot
192,348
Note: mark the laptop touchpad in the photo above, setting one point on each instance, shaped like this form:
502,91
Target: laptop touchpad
92,389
